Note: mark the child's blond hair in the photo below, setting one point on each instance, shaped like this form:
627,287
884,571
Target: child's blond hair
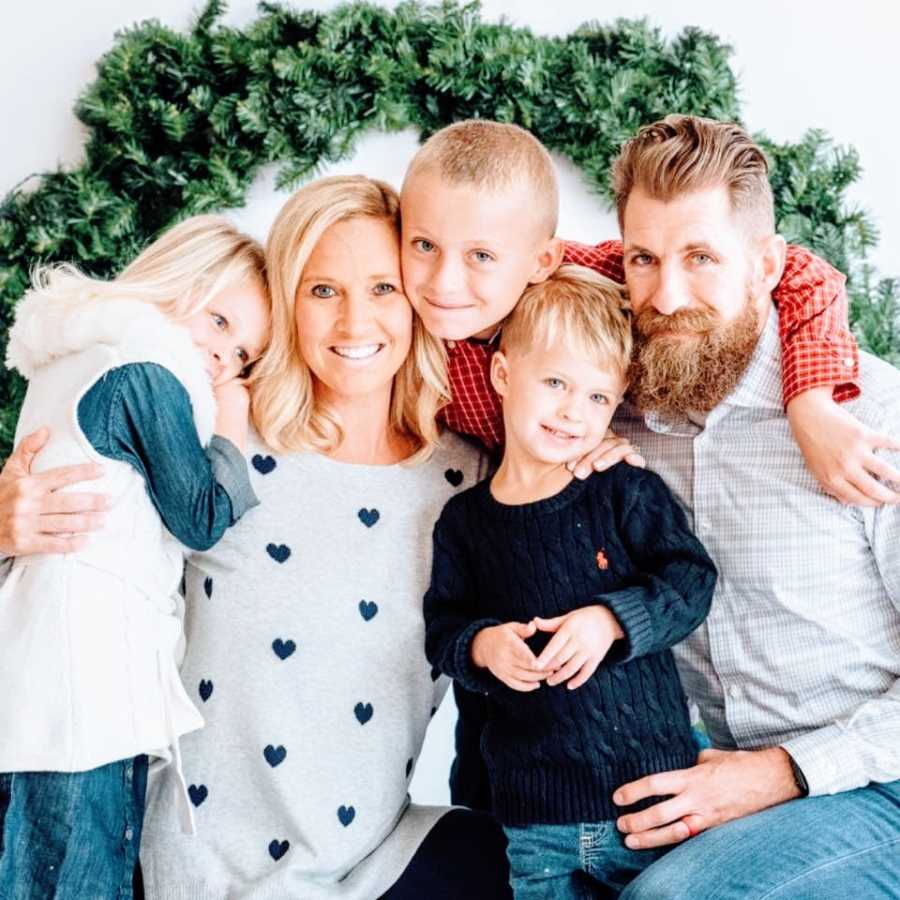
575,308
179,272
492,156
285,409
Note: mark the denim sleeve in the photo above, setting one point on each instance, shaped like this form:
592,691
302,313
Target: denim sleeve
142,415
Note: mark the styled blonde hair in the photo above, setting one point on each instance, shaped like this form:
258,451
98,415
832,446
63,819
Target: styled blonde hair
577,309
285,409
493,156
179,272
680,154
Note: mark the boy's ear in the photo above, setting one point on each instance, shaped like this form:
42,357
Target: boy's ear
548,261
500,373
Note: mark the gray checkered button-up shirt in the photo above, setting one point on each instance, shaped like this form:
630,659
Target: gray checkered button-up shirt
802,647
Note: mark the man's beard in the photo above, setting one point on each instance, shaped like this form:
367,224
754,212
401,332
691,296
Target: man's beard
689,361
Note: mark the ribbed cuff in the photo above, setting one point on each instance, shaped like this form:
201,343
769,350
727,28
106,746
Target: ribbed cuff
629,606
470,676
230,468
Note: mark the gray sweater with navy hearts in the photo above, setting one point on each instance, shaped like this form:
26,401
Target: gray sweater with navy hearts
305,654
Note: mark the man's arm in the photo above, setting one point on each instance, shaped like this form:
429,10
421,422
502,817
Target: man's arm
35,515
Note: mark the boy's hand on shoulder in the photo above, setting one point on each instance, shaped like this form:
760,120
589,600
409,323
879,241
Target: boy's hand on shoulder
840,451
611,450
581,641
502,650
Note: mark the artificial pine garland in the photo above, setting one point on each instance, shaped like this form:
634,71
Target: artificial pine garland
181,123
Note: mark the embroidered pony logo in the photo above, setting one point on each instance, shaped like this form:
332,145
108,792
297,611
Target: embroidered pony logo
602,561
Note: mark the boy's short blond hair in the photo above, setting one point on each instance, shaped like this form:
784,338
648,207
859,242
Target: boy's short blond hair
493,156
578,309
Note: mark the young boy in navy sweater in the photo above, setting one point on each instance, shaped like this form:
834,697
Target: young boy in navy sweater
560,598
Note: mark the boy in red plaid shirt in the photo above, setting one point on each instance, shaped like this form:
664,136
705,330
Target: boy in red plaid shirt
479,210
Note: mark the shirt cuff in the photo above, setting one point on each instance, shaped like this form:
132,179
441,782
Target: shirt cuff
809,364
828,759
230,470
629,606
472,677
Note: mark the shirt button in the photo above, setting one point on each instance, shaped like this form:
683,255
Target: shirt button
451,345
735,691
848,362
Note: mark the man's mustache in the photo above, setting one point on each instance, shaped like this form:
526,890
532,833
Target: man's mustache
649,322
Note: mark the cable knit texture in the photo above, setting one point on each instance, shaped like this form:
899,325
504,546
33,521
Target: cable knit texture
618,539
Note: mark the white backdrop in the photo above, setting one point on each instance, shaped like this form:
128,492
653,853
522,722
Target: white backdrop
803,64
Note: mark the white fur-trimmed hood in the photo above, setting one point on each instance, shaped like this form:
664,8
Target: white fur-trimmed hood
45,330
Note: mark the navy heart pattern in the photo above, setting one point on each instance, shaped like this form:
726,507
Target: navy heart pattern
206,689
278,552
207,586
274,755
369,517
263,464
368,610
346,815
363,712
198,793
409,765
277,849
454,476
283,649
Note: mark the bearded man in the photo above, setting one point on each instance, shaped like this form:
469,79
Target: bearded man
796,672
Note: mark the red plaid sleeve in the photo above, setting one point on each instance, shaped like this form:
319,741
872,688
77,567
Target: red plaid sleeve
818,349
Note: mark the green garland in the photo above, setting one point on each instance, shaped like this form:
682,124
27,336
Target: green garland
181,123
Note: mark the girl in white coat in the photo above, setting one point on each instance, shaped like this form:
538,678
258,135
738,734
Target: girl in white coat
140,374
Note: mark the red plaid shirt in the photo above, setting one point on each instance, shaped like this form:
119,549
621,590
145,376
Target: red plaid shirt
818,348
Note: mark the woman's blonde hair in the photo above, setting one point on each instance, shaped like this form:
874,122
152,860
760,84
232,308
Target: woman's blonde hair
285,409
179,272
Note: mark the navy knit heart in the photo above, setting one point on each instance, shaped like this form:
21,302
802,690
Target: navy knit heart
283,649
363,712
369,517
278,552
198,793
274,755
263,464
367,609
207,586
206,689
454,476
346,815
277,849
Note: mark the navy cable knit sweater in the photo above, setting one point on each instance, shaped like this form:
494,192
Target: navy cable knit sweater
618,539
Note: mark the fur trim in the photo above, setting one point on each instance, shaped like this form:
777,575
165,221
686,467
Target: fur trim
45,330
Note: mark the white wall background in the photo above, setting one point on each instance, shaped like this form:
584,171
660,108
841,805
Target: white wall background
801,64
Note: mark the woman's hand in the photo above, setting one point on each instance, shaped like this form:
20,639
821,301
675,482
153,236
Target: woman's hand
502,650
580,644
611,450
840,451
233,411
35,516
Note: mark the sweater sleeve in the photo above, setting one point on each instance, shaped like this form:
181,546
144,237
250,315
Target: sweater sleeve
673,593
141,414
451,609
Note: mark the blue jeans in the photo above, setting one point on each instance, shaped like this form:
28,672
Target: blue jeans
572,862
836,847
71,834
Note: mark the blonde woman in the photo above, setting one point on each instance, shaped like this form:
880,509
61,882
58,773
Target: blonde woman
304,624
124,373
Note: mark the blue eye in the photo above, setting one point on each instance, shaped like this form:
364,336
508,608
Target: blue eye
702,258
242,355
482,256
641,259
322,291
600,399
554,383
423,245
220,321
383,288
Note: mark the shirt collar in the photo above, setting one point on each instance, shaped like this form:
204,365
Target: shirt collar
761,383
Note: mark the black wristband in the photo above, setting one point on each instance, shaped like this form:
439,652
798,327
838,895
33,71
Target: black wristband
799,778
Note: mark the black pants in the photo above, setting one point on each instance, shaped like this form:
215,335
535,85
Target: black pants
462,858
